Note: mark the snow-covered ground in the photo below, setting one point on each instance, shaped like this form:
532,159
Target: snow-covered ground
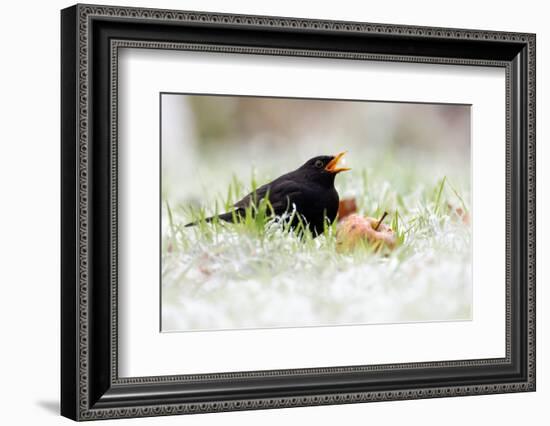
241,282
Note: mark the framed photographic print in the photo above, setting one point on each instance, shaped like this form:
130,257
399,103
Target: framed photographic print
263,212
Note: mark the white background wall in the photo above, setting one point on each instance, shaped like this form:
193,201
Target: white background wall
29,211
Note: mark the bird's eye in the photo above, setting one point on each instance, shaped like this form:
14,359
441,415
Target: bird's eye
319,164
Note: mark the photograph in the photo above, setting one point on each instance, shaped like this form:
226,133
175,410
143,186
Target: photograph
293,212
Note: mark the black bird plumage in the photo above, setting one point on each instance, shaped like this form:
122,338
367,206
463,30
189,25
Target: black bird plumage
309,189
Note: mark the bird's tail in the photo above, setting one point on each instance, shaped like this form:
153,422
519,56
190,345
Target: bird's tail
226,217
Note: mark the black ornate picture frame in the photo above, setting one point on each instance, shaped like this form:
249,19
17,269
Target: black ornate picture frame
90,385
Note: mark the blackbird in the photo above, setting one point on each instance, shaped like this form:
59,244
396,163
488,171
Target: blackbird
309,190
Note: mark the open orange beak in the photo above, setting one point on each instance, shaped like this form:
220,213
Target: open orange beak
332,166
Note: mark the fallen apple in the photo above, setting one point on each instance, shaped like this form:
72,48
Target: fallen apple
346,207
355,230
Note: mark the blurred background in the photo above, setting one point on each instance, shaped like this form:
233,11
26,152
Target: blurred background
208,139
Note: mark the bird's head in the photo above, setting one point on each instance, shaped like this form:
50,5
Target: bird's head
323,168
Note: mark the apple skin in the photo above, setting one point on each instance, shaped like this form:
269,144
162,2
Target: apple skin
354,229
346,207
